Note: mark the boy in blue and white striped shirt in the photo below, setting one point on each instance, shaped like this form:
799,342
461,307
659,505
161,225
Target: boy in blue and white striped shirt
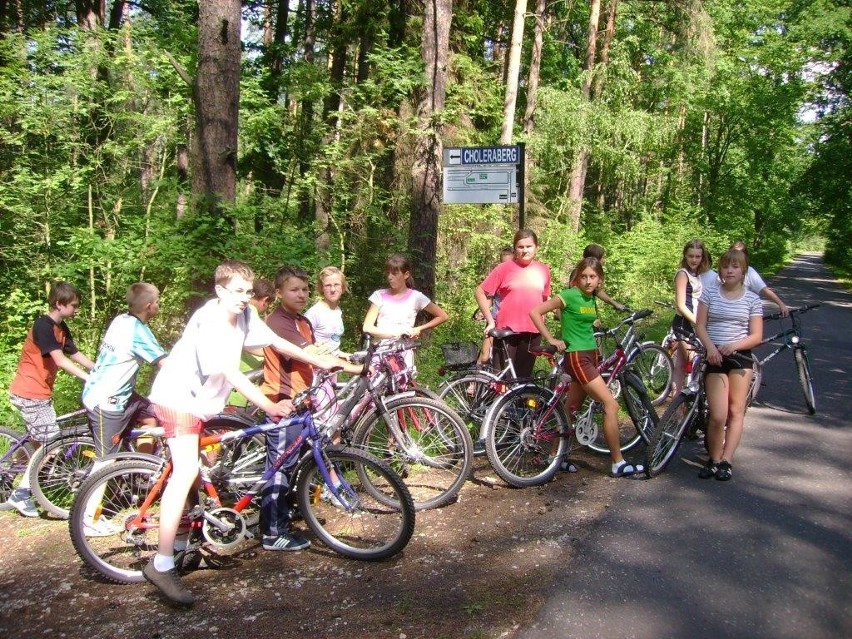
109,395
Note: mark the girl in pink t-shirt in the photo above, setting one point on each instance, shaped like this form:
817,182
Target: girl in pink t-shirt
393,310
522,284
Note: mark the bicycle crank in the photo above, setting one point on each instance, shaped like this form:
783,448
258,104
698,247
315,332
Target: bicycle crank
225,527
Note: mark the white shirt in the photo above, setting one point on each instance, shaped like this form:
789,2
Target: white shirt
327,323
753,281
192,379
398,313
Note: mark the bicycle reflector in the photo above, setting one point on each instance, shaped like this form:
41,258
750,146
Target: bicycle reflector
794,339
532,402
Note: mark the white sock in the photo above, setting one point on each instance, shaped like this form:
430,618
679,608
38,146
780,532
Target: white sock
615,467
163,563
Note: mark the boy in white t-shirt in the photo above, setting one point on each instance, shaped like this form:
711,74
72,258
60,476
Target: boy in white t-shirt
193,385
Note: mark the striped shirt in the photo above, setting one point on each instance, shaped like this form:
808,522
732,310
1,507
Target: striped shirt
728,320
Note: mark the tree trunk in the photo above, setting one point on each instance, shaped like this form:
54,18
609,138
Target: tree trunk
426,170
217,100
307,117
90,14
535,68
581,156
514,72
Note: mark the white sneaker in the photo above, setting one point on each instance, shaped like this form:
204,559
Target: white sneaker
331,498
22,501
100,528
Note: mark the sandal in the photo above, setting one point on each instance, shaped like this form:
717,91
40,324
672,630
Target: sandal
627,469
568,467
725,471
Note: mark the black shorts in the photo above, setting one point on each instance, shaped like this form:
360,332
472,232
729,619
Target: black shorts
683,325
738,361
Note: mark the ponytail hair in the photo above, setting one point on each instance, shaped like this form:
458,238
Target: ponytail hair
398,263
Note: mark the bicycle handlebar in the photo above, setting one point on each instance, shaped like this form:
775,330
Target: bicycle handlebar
792,311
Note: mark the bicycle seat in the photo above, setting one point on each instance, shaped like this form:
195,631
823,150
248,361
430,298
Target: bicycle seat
543,349
501,333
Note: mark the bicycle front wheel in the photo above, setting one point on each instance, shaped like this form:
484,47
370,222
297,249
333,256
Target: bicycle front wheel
639,406
14,457
527,437
108,502
434,452
654,366
58,469
668,434
804,369
357,525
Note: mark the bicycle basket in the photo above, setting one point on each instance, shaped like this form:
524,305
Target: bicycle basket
459,354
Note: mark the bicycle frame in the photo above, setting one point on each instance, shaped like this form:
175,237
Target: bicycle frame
309,434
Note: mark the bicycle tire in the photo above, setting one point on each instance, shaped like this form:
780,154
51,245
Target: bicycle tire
639,405
804,369
520,437
471,394
436,456
756,381
121,488
668,435
628,433
655,368
373,529
57,470
15,464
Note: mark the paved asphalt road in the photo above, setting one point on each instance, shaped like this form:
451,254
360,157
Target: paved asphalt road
768,554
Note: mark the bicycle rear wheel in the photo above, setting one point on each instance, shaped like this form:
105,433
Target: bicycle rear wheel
804,369
110,500
527,440
357,525
668,434
436,452
13,460
654,366
58,469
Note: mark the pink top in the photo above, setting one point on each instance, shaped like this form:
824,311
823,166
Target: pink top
520,289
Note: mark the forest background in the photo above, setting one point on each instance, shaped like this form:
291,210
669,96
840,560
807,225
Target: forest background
149,140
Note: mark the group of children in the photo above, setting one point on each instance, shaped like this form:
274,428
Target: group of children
204,366
195,379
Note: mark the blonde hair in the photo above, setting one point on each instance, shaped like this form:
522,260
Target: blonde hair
229,268
329,271
141,294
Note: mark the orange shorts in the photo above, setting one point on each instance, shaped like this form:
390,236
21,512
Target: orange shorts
177,423
582,366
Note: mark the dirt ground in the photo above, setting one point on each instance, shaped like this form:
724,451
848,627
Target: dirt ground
476,569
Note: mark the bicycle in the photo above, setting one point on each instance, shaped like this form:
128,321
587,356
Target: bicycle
16,450
588,417
524,423
688,411
366,514
418,434
472,390
790,338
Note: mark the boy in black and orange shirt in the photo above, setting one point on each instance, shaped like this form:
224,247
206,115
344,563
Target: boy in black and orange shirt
47,348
